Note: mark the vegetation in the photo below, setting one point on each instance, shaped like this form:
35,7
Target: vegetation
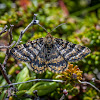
82,27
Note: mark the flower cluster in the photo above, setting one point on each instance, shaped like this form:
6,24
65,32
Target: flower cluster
72,74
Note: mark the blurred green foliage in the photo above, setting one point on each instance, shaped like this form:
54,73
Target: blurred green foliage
82,29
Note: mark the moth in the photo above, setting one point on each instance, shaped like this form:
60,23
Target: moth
49,53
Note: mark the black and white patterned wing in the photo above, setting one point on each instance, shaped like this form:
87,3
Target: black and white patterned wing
38,64
55,62
71,52
27,52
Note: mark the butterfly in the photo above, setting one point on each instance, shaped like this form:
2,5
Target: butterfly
49,53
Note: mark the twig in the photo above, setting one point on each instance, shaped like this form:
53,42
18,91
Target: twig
33,22
87,77
35,80
65,93
2,66
3,71
10,33
36,95
62,98
2,47
90,85
4,30
48,80
11,38
97,81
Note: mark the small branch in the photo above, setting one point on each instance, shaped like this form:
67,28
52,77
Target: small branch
35,80
90,85
6,47
26,96
63,97
4,30
2,68
11,38
10,33
48,80
97,81
36,95
33,22
65,93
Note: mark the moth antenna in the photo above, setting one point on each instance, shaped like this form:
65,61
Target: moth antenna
56,27
43,28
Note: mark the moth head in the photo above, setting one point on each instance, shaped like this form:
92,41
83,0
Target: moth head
49,38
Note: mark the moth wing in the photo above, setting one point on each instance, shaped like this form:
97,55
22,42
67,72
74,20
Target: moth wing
27,52
71,52
56,63
38,64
